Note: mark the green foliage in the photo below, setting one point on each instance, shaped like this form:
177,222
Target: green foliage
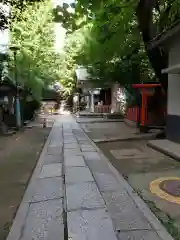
69,17
72,50
113,49
37,64
15,4
167,13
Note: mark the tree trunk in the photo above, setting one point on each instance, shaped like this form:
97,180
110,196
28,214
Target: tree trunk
157,57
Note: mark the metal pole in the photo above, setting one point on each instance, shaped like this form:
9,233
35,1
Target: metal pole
17,102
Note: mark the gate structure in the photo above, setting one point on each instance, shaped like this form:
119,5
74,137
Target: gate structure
152,111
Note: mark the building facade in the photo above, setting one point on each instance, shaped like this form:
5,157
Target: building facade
170,41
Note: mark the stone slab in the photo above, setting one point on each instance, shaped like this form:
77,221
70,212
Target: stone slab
98,166
44,221
81,138
85,144
83,196
55,143
74,161
68,141
69,138
48,159
51,170
91,156
74,152
71,146
78,174
166,147
45,189
88,149
124,213
92,225
139,235
54,150
107,182
128,153
56,136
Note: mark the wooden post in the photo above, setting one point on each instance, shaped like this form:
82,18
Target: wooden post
143,127
143,108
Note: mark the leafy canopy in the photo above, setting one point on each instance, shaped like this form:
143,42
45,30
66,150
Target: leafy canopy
37,63
114,49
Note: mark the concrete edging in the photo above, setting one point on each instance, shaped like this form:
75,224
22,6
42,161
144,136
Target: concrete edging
165,151
143,207
147,137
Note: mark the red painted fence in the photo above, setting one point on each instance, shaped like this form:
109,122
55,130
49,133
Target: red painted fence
132,115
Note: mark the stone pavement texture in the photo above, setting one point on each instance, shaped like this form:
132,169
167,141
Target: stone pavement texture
75,193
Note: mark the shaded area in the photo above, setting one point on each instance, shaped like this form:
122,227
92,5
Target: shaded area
131,157
18,156
140,166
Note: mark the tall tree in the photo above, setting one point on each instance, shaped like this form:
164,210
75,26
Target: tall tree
157,57
153,16
7,5
37,62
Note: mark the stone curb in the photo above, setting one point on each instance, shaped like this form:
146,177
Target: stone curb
21,214
149,215
148,137
164,151
143,207
99,121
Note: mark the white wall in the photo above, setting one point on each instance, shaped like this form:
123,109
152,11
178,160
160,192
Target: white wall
174,94
173,106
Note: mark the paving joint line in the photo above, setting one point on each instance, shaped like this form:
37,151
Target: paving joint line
87,209
45,200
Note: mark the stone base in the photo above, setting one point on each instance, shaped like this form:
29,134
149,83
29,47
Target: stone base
100,115
130,123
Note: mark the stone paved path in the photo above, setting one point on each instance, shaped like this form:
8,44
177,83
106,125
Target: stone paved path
76,194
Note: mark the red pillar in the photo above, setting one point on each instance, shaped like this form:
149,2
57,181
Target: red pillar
143,108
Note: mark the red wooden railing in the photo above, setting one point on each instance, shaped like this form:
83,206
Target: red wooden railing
132,115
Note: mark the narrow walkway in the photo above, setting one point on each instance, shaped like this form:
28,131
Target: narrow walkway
76,194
